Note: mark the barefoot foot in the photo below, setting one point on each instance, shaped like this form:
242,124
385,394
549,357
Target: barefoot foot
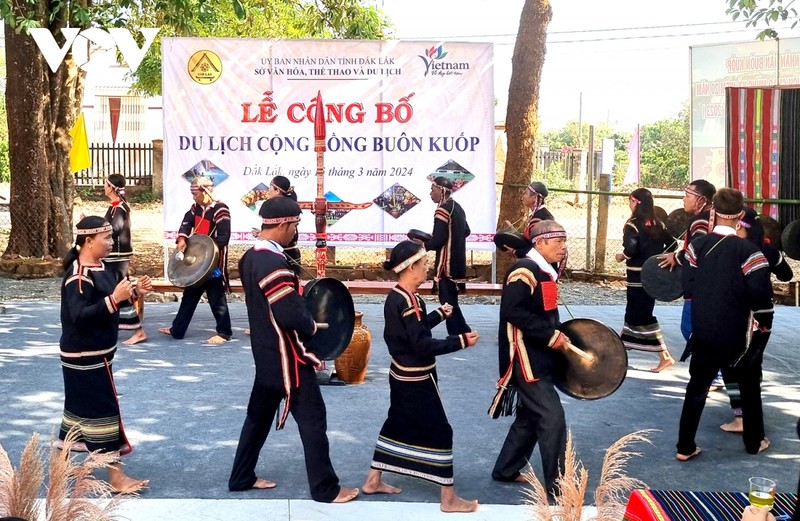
379,488
262,484
127,485
346,494
735,426
663,365
687,457
764,445
138,336
458,504
165,331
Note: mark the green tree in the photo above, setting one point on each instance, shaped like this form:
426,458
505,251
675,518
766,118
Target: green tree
665,152
43,105
567,136
768,12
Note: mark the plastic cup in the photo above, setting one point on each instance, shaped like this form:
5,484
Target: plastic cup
762,492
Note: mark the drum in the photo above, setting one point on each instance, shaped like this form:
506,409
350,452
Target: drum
196,264
329,302
419,235
661,214
601,368
662,284
512,239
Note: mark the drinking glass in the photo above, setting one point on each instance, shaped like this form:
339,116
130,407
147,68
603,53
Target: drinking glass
762,492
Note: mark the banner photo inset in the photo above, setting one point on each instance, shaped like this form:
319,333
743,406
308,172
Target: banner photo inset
397,114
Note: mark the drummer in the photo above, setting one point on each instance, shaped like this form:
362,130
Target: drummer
449,240
207,216
528,342
280,324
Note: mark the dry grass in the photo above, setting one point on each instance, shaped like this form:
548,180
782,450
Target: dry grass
72,489
610,495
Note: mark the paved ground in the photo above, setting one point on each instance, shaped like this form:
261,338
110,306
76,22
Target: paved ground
183,403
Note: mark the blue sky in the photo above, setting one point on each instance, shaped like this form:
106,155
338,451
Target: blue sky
635,74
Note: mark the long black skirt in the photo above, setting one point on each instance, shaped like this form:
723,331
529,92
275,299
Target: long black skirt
416,438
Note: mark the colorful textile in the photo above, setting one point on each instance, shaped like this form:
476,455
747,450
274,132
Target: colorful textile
666,505
753,144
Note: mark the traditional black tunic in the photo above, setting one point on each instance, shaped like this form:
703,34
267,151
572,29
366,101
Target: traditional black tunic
279,323
641,330
541,214
416,439
89,322
213,220
528,327
728,279
449,240
119,215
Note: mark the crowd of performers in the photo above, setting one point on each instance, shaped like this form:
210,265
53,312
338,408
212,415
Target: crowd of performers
726,270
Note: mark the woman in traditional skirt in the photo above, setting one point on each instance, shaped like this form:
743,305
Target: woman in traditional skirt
90,300
119,215
643,237
416,438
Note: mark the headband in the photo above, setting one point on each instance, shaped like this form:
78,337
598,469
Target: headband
558,234
281,220
409,261
692,191
635,200
93,231
730,216
278,188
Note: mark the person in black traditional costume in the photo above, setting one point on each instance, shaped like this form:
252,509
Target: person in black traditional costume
449,240
643,237
416,439
119,260
281,186
91,296
697,200
207,216
750,228
728,279
280,324
533,198
528,339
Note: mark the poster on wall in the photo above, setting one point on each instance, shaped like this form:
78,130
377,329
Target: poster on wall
715,67
397,114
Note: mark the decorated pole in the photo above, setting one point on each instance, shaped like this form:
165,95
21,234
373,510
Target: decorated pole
320,203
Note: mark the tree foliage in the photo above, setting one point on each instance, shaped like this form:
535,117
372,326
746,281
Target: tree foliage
347,19
767,12
665,152
43,105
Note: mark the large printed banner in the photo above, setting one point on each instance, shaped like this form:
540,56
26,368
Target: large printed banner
715,67
397,115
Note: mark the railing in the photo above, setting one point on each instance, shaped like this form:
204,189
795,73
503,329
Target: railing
132,160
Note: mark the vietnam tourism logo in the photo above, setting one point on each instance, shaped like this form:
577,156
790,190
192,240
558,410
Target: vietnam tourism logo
435,65
205,67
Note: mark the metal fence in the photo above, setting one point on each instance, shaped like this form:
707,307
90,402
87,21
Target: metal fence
132,160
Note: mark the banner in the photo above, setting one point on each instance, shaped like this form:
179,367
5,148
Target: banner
632,174
79,158
397,114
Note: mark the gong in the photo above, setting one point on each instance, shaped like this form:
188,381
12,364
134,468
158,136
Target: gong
602,367
662,284
419,235
330,303
513,239
772,230
661,214
677,222
195,264
790,240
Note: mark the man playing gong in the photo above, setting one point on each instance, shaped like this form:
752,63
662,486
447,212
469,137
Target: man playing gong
528,340
280,324
207,216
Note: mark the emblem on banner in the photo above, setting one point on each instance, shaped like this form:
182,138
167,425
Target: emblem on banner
205,67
